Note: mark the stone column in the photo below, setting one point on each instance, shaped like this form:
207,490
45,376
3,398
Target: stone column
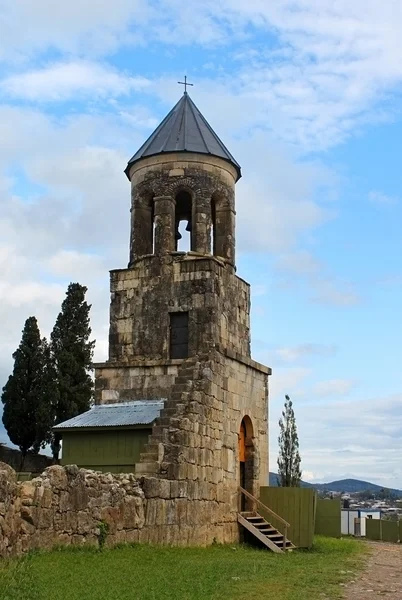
202,220
164,224
141,237
225,233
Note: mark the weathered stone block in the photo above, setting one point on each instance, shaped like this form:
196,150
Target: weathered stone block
27,493
156,488
57,477
85,522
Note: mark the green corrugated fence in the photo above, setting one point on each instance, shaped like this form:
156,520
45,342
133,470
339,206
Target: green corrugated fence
24,476
386,531
373,529
328,518
297,507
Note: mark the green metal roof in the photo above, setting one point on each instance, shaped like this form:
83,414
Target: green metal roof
136,412
184,129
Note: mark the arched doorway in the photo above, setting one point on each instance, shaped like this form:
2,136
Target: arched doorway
246,459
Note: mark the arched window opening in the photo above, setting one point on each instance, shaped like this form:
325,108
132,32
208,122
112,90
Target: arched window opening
183,228
213,226
153,225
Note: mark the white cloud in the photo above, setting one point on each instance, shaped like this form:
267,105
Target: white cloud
333,63
65,262
308,476
333,387
295,353
301,266
62,81
382,199
75,229
322,76
276,203
290,380
335,293
74,27
300,262
358,438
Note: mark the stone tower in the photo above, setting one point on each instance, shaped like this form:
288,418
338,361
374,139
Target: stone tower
180,331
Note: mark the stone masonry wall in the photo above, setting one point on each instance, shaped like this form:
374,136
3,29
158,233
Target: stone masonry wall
142,297
134,380
155,183
195,440
66,505
185,490
70,506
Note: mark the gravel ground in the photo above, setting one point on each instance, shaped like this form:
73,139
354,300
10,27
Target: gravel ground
382,575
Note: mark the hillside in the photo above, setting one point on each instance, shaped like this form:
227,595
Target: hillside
343,485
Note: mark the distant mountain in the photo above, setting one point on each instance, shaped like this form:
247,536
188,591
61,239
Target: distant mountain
274,482
343,485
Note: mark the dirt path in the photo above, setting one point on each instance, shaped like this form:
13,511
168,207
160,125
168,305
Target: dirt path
382,575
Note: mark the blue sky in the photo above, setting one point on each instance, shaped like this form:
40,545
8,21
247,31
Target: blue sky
308,101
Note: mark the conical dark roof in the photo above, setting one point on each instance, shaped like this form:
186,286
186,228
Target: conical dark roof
184,129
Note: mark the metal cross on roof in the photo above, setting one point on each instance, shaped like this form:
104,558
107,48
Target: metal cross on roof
185,83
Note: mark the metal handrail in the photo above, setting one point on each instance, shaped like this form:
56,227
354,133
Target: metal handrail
246,493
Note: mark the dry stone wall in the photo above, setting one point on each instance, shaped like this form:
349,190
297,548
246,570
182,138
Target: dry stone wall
68,505
71,506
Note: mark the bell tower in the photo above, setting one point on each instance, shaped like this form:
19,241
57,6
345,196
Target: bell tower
180,325
183,172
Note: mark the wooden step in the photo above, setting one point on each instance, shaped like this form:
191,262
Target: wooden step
265,532
260,536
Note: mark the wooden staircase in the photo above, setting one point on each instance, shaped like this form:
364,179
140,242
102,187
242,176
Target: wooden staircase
266,533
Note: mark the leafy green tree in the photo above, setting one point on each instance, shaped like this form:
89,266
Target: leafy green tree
289,473
72,352
29,393
386,494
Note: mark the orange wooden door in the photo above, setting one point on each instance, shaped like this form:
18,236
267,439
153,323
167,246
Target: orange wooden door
242,443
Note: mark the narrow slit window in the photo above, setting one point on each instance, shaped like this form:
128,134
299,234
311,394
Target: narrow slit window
179,335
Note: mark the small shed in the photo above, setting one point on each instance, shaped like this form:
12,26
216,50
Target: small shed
353,521
109,437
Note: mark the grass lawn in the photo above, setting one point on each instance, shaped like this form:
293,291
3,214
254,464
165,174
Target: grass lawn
155,573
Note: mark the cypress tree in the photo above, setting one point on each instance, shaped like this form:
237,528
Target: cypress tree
289,473
72,352
28,393
49,399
